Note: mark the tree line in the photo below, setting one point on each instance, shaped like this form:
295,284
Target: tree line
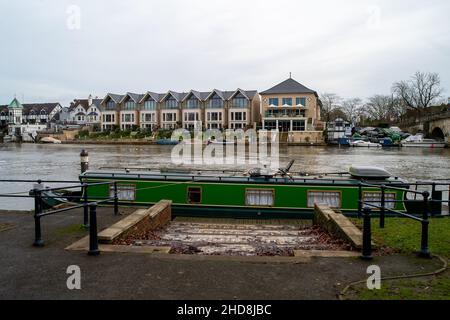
407,97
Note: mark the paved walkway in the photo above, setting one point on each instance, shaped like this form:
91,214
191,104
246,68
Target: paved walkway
40,273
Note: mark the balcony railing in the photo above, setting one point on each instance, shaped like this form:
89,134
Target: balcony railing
284,115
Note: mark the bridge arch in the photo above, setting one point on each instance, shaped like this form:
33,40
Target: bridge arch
438,133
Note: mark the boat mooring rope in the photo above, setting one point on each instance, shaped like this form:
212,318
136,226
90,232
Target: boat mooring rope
419,275
165,185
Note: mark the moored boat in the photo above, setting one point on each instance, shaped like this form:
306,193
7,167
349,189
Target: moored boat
50,140
364,144
418,141
255,193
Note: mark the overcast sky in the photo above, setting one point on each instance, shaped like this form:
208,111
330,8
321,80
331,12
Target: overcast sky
53,50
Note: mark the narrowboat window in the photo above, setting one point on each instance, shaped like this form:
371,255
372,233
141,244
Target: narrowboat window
259,197
329,198
374,198
126,192
194,195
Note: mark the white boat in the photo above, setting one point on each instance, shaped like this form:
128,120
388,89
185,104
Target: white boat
50,140
364,144
418,141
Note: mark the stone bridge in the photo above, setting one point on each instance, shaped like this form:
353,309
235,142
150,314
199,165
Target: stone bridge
436,126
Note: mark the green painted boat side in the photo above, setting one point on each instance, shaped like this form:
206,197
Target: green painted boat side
229,199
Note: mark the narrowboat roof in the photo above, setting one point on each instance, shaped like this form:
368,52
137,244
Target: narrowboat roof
228,178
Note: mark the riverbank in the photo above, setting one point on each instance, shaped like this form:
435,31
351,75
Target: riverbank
40,273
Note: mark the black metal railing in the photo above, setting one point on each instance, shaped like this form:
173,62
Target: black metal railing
89,207
365,208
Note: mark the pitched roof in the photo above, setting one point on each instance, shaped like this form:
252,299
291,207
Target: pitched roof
114,97
155,96
38,107
289,86
96,102
136,97
15,104
79,103
176,95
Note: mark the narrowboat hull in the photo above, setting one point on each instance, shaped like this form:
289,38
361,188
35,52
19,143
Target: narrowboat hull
235,196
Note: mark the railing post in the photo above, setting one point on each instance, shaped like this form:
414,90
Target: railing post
383,205
85,208
93,240
116,200
424,252
38,242
359,199
367,236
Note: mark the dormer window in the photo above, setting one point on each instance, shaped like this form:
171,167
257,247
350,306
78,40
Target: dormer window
239,102
192,103
171,103
110,105
215,102
150,104
129,105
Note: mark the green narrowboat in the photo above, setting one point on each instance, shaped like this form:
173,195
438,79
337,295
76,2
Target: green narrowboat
254,194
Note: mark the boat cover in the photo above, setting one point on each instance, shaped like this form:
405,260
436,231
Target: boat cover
369,172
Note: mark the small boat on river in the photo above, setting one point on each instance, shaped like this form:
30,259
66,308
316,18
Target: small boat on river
418,141
364,144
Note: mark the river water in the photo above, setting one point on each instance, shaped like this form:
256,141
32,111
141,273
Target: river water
62,162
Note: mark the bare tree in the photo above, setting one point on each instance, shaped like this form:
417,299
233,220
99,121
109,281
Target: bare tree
352,109
419,92
329,103
383,108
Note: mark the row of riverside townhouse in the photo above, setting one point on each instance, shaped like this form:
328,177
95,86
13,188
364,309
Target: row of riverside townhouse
214,110
289,107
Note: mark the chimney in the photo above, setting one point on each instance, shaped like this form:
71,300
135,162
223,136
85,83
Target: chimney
90,100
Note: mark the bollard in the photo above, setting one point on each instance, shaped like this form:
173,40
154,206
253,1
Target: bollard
367,236
84,161
85,208
424,252
359,199
383,204
116,200
93,240
38,242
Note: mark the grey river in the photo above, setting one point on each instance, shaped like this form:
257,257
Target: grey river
62,162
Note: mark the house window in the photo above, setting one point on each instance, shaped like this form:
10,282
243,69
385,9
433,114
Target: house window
298,125
374,198
240,103
150,105
111,105
273,101
259,197
194,195
171,103
216,102
148,117
192,103
301,101
270,125
125,192
287,101
329,198
129,105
